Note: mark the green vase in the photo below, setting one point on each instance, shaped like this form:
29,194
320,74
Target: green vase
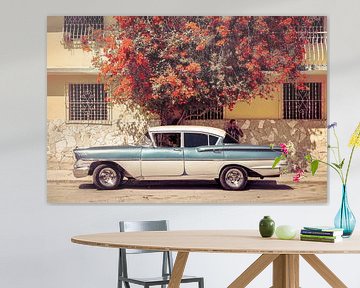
266,227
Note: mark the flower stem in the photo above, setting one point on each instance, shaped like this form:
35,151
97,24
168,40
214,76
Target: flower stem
336,169
340,159
337,144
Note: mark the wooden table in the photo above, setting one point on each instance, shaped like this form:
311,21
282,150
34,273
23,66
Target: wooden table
284,254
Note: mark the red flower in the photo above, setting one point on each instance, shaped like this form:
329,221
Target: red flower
284,148
286,22
298,175
193,67
200,47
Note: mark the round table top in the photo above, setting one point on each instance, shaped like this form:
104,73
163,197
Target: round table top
217,241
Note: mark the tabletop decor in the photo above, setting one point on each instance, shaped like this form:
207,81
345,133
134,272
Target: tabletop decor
321,234
344,219
285,232
266,227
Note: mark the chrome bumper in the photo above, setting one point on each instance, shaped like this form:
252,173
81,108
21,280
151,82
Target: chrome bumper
81,169
81,172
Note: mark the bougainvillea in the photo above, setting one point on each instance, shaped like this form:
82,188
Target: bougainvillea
171,65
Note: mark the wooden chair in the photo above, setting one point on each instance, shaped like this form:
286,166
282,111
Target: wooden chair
167,262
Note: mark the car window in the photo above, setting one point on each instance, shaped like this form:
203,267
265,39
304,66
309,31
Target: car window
144,140
167,139
213,140
195,139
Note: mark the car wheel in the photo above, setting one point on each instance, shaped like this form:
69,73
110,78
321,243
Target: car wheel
107,177
233,178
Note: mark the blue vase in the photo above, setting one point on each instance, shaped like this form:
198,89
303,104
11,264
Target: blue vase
345,219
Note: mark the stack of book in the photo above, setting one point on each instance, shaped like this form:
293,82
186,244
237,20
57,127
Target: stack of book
321,234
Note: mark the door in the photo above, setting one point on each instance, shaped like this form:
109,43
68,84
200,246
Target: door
166,158
201,156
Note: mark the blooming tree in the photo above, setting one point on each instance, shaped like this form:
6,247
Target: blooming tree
172,65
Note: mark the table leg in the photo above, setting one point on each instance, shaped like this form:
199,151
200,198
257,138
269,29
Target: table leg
286,271
178,269
324,271
253,270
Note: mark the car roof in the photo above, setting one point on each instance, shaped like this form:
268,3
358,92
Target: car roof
188,128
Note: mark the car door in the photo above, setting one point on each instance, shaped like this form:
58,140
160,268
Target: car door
201,156
165,158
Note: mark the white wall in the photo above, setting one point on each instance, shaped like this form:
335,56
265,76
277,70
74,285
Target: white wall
35,248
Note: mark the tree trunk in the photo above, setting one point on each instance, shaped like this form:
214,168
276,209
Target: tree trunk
166,119
169,118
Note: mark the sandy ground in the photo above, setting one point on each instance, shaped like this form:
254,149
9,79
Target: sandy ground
312,189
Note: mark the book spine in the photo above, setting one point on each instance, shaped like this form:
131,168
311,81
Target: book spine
320,233
318,239
319,236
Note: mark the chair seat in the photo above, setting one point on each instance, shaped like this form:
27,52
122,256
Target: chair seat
158,280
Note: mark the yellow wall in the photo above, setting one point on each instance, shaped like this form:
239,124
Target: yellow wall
272,108
258,109
56,93
59,57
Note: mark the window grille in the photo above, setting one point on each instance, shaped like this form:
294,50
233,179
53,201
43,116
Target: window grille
216,113
75,27
302,101
86,103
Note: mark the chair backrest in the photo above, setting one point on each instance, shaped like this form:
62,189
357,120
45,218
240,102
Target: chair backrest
135,226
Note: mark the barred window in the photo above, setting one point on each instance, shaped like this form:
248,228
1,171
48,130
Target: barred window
87,104
76,27
206,114
302,101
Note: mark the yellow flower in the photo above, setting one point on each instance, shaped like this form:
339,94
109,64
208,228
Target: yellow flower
355,138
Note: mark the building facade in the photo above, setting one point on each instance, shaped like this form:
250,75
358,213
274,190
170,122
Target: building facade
79,114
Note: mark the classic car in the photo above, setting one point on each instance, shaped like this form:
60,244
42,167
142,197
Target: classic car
186,152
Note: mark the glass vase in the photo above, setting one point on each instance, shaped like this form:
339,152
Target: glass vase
345,219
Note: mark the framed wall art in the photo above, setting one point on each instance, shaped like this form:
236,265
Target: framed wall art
186,109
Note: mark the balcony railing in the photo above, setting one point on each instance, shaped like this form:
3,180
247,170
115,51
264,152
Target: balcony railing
316,49
78,27
315,58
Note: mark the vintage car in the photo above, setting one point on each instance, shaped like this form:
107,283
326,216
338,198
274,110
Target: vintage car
181,152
